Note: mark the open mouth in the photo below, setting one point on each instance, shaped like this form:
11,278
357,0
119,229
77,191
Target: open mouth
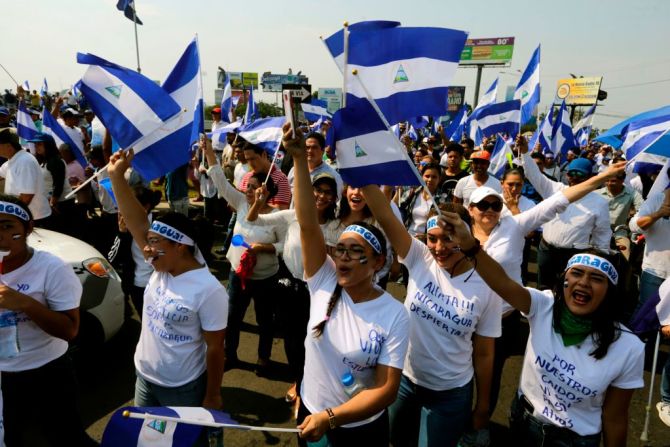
356,200
580,298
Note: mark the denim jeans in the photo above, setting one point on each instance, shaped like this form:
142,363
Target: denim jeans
649,285
191,394
435,418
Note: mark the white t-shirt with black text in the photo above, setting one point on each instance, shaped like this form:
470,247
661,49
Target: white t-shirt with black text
23,175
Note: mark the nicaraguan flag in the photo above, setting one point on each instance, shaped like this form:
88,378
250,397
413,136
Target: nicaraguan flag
265,133
490,95
366,151
406,70
25,127
542,135
227,101
219,135
252,113
582,129
128,8
125,431
75,91
130,105
662,180
26,86
500,156
500,117
316,110
457,126
53,128
562,138
45,88
317,125
642,135
419,122
528,89
335,43
169,146
411,133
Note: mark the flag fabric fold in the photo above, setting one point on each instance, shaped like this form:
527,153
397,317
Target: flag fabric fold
130,105
500,117
53,128
458,125
500,156
265,133
315,110
528,89
562,138
227,101
25,127
251,114
640,136
128,8
367,152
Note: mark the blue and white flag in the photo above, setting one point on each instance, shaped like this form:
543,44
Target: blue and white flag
502,117
128,8
542,135
25,127
367,152
53,128
169,146
419,122
125,431
265,133
562,138
45,88
457,126
490,95
406,70
26,86
130,105
662,181
499,156
582,129
252,113
641,135
227,101
528,89
316,110
317,125
219,135
411,133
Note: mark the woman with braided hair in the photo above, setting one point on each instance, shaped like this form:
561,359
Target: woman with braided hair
354,327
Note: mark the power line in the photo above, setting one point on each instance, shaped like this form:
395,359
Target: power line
639,84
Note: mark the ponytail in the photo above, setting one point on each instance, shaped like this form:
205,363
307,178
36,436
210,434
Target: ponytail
334,298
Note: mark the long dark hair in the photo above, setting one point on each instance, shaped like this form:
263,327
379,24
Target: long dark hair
337,293
345,209
606,327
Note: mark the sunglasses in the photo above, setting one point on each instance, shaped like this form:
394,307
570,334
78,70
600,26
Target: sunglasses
576,174
484,206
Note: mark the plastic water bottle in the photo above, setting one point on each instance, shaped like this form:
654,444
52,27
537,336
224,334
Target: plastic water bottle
351,385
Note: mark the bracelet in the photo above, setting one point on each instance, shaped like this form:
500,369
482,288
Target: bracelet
331,419
472,252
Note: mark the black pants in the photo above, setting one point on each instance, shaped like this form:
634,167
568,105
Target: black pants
293,315
43,400
551,262
372,434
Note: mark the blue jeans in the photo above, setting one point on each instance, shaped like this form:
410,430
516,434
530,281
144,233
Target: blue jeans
649,285
191,394
435,418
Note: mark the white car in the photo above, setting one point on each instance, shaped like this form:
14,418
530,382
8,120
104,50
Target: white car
102,299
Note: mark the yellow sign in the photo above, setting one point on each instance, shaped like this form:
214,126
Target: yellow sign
578,92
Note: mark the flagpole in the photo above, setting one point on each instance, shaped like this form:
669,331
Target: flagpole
134,415
88,180
345,32
404,150
9,74
137,45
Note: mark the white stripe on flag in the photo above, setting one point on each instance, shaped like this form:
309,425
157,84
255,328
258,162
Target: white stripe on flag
492,120
141,115
368,149
421,73
262,135
194,413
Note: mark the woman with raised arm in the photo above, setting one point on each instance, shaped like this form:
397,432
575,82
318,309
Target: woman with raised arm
179,358
581,365
454,318
355,327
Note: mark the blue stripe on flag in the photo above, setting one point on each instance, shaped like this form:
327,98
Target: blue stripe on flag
53,128
25,127
265,133
400,171
189,64
154,161
335,42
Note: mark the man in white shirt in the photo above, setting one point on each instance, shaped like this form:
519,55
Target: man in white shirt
480,162
23,177
69,119
584,223
315,145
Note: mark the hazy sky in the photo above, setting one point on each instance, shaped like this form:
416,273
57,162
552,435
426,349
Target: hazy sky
624,41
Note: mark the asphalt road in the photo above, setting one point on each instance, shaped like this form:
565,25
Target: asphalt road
107,379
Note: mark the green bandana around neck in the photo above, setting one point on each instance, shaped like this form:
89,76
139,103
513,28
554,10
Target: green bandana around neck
573,329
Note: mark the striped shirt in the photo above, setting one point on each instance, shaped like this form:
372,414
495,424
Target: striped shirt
283,196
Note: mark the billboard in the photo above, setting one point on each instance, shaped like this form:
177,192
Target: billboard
273,82
333,97
455,100
578,92
490,51
239,80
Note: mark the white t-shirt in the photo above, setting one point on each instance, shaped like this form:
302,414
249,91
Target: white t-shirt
23,175
240,171
444,313
467,185
566,385
663,306
51,282
420,215
656,260
171,351
49,184
357,337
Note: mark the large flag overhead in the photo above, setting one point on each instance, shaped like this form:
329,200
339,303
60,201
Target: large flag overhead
227,101
315,110
644,134
528,89
130,105
562,138
265,133
367,152
613,135
53,128
406,70
128,8
25,127
169,146
502,117
335,43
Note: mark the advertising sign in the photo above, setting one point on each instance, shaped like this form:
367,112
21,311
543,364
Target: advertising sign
455,100
333,97
240,80
273,82
578,92
490,51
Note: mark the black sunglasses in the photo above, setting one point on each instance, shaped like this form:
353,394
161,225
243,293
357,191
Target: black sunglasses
484,206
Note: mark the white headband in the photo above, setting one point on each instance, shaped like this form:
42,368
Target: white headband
171,233
596,262
14,210
432,223
367,235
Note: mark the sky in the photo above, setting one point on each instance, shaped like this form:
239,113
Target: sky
624,41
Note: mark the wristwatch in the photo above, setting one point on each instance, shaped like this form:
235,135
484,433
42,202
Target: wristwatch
331,419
